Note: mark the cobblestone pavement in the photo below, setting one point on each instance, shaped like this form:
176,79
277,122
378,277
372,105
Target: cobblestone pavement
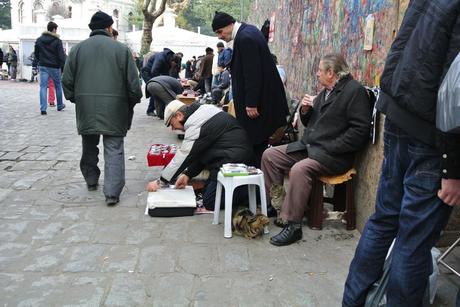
60,245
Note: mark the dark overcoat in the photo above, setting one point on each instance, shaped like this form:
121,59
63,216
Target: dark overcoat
336,128
256,83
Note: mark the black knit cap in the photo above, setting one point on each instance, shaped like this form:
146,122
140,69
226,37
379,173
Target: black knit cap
100,20
221,20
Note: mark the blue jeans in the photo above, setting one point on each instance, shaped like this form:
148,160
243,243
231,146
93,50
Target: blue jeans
408,210
55,74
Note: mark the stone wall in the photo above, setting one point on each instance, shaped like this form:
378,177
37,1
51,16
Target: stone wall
304,30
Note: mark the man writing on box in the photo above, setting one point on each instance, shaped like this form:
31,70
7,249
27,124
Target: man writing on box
212,138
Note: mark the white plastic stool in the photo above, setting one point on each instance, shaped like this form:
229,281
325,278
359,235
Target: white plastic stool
230,183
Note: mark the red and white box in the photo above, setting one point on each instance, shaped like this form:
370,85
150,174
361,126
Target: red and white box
160,154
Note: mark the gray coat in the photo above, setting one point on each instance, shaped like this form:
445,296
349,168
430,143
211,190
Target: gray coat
336,128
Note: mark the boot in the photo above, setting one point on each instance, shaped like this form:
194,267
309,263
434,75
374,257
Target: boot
290,234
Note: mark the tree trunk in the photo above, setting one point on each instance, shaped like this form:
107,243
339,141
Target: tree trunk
150,16
147,34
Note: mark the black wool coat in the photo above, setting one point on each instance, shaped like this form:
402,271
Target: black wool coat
338,127
256,83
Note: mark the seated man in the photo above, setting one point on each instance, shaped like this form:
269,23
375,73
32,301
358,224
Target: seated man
163,89
212,138
220,84
337,124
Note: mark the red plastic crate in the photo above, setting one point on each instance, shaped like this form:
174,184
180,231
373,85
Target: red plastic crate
160,154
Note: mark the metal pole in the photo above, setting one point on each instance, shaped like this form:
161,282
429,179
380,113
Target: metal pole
241,10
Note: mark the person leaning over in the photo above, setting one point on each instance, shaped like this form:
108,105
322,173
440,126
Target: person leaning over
337,126
212,138
159,64
100,77
163,89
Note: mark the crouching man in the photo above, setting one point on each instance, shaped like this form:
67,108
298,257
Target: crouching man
337,124
212,138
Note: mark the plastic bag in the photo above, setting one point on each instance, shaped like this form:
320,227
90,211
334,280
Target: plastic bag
448,106
376,296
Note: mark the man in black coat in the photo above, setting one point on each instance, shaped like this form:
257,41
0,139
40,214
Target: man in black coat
337,126
212,138
258,92
51,59
420,177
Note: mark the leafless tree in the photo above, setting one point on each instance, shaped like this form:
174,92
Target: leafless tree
151,13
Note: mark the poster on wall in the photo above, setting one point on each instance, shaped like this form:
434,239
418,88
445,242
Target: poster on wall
271,32
369,32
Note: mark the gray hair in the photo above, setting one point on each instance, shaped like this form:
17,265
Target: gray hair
337,63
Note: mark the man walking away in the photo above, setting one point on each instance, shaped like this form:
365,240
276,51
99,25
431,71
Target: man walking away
51,59
100,77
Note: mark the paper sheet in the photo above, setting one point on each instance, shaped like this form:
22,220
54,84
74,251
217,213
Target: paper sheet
170,197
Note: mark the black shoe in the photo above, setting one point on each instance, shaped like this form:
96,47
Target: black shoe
111,201
271,211
288,235
92,187
61,108
43,112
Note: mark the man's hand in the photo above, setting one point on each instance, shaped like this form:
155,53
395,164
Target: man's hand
252,112
306,103
153,186
450,192
182,181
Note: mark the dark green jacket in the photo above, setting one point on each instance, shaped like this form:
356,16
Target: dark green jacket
101,78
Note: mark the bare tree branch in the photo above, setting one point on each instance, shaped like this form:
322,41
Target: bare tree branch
145,6
160,10
149,19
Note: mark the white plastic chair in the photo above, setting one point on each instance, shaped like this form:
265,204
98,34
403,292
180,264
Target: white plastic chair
230,183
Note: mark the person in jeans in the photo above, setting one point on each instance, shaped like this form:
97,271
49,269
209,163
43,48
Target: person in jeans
420,177
51,59
101,78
